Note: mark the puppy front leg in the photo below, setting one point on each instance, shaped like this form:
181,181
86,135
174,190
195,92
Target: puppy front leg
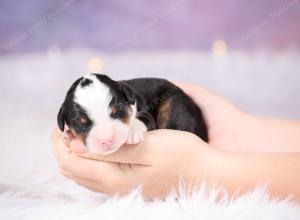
136,131
140,124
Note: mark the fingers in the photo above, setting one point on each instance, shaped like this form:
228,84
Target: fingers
106,173
159,153
96,175
76,165
213,106
99,176
193,90
138,154
200,94
54,137
59,147
128,154
108,186
89,169
155,146
87,183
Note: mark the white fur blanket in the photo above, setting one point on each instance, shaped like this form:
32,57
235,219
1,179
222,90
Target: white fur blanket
33,86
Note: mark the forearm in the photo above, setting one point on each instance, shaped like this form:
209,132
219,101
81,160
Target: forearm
260,134
241,172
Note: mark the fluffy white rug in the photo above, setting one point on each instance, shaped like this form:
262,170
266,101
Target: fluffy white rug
33,86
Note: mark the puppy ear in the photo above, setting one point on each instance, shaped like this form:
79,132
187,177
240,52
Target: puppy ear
129,94
61,118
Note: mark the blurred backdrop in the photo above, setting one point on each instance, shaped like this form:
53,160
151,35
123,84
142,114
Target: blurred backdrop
246,51
115,25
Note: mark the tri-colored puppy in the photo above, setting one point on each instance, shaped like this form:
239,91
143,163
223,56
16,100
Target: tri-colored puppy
105,114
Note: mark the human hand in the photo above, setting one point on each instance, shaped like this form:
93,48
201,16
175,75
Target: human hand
157,163
231,129
224,120
166,155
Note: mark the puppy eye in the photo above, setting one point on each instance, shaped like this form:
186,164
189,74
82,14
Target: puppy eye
81,123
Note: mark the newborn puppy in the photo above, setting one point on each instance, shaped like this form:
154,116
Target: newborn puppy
105,114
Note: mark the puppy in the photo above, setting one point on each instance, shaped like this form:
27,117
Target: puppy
105,114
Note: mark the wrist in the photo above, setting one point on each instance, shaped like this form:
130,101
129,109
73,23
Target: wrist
201,169
218,168
260,134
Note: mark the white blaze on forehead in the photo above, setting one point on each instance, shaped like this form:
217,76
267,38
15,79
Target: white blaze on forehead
94,98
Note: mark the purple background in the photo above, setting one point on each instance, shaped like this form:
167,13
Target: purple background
139,24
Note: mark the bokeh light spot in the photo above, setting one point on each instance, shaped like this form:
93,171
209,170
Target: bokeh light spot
95,65
54,52
219,48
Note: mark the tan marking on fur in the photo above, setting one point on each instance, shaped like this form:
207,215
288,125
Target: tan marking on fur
126,120
114,110
83,119
163,113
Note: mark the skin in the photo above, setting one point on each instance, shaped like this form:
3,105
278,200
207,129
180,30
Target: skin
256,150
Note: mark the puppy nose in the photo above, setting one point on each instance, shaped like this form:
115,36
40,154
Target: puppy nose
106,143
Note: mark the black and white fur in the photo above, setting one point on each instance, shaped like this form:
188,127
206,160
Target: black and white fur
106,114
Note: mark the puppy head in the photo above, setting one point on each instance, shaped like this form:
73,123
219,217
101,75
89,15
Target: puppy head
98,110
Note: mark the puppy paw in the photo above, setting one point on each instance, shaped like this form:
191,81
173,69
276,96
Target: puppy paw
135,137
136,132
